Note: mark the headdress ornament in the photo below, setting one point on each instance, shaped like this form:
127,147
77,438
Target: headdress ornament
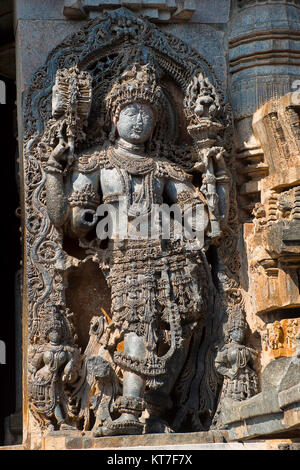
53,320
235,320
137,84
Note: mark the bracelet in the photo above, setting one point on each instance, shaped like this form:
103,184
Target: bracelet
223,176
53,171
53,167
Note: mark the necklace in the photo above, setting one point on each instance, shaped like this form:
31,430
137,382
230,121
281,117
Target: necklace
134,166
131,148
140,202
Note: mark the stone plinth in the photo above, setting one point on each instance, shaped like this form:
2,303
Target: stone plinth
70,441
212,440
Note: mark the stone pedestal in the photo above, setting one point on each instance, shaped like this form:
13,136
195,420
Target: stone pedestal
156,445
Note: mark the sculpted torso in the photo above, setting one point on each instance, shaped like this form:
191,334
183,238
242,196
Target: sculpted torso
108,182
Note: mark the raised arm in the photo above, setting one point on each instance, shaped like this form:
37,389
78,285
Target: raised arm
56,197
72,200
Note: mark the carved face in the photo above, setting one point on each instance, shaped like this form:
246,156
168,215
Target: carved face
238,335
54,335
136,123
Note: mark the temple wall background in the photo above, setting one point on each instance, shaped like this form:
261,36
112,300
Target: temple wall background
252,46
254,49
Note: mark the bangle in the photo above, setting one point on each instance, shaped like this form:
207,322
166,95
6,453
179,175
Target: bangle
53,170
53,167
223,178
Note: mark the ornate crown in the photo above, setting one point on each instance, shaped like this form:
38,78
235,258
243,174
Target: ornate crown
53,320
137,84
236,320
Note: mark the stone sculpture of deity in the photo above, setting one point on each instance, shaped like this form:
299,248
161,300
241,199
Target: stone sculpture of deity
158,286
237,363
53,368
129,181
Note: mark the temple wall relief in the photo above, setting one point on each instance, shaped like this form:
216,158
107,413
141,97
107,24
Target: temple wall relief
129,112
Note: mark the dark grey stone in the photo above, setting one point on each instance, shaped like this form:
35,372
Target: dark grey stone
41,9
35,39
211,11
273,373
98,367
265,17
211,46
292,233
289,396
292,375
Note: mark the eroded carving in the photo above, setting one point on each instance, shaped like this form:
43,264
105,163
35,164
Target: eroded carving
279,338
238,364
138,124
54,366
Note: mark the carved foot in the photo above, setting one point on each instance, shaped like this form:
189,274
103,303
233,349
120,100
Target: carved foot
125,425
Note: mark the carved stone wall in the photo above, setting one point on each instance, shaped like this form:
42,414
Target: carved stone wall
159,10
227,70
272,239
264,63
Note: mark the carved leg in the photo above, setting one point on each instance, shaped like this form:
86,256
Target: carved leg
61,420
131,403
159,401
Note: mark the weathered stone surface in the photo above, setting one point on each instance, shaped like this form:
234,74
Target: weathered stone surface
271,119
257,45
265,17
273,241
279,339
274,372
211,46
147,441
121,380
159,10
43,9
289,396
274,410
212,11
195,441
39,38
264,65
98,367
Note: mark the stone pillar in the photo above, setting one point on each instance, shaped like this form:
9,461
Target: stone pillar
264,62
